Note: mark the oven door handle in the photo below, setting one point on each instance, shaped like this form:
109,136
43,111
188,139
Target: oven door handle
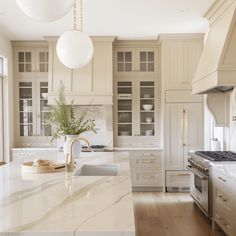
197,173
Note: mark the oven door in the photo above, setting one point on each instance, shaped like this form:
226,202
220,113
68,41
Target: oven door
199,188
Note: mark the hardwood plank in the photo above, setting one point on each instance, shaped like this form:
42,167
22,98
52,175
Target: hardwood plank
2,163
170,214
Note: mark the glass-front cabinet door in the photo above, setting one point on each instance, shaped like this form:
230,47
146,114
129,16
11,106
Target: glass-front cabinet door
146,60
31,62
33,113
26,103
124,108
129,61
147,108
44,110
136,113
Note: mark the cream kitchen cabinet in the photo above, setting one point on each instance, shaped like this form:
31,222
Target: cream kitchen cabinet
134,57
179,58
183,132
91,85
146,170
134,124
32,113
30,60
224,201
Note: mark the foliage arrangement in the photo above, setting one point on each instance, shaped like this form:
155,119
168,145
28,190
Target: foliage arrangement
63,117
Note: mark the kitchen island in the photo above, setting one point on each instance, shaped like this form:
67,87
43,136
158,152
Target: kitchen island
66,205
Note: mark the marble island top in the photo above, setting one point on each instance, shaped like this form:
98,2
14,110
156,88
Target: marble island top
66,205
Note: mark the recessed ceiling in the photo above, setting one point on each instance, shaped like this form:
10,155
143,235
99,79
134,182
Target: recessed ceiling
126,19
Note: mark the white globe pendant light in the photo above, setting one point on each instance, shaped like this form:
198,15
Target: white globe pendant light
75,48
45,10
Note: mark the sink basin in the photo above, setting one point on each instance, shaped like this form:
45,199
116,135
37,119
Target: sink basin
98,170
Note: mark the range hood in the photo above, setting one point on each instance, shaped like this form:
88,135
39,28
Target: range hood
216,71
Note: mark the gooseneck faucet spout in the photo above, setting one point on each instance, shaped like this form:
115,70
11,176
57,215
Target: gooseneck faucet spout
70,163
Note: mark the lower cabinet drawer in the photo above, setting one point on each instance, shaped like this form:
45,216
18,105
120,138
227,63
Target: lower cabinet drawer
225,225
224,203
179,179
146,178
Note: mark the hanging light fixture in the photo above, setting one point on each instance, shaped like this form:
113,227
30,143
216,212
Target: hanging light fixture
45,10
74,47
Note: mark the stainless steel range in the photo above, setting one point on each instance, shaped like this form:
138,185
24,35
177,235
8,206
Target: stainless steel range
200,164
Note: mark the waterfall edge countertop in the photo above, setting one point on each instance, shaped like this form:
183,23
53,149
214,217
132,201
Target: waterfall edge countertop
67,205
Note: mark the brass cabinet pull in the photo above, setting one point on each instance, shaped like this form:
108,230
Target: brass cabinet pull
222,179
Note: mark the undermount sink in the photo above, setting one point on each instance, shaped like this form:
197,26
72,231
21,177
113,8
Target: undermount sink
97,170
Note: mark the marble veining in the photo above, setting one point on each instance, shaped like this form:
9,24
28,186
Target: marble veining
64,204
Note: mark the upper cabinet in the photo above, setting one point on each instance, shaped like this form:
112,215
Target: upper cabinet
31,60
90,85
180,57
131,58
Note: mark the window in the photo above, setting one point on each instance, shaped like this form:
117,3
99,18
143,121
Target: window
1,65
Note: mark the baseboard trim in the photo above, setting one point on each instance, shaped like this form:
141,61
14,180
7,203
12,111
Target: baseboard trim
147,189
178,189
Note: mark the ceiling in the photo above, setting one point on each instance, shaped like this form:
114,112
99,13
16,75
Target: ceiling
127,19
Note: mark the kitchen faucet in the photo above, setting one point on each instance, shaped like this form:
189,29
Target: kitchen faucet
70,163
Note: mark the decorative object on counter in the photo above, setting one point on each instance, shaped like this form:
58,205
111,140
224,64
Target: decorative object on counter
42,166
63,117
45,10
147,107
215,145
74,47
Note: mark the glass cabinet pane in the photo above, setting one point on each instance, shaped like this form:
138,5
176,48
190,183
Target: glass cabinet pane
45,128
124,61
147,108
124,109
147,61
43,61
26,109
24,62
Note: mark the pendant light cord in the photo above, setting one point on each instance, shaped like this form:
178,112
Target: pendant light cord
75,15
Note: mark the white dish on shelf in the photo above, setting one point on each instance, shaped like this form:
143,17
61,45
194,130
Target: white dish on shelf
44,95
147,107
124,133
149,132
148,120
146,95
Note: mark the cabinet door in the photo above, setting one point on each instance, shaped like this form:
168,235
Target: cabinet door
41,62
193,128
124,109
173,64
174,136
24,63
146,60
26,124
124,60
192,53
44,131
102,68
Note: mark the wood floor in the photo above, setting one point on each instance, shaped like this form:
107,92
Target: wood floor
170,214
2,163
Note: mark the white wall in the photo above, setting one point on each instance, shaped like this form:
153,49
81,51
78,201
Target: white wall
232,133
6,51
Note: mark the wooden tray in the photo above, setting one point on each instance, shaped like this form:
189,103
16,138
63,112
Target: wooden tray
55,167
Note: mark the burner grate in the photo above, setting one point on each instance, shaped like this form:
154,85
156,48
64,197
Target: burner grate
217,155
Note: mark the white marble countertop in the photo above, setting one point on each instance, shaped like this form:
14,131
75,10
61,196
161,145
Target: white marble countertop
65,205
229,169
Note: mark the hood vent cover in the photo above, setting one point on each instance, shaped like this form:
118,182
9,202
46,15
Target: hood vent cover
217,66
